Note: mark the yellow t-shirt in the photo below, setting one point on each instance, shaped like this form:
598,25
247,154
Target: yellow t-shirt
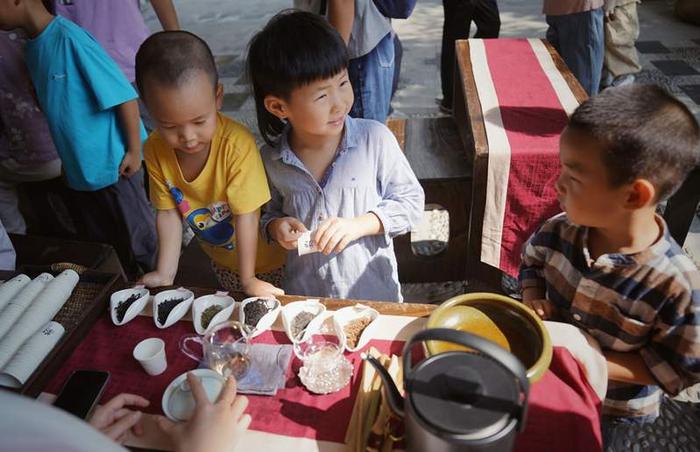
232,182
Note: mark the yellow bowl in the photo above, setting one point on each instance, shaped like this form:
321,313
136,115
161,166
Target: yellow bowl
502,320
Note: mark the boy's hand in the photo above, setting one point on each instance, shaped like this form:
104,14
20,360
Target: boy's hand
115,420
213,426
544,308
156,279
286,231
131,163
255,287
334,234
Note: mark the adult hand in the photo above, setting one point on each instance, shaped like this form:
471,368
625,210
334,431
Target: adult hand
544,308
115,420
255,287
156,279
213,426
286,231
334,234
131,163
609,9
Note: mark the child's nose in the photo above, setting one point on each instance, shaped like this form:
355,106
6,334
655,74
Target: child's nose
186,134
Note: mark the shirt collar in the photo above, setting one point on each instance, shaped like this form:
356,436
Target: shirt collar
283,151
657,249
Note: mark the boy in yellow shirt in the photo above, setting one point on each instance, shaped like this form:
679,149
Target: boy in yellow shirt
204,168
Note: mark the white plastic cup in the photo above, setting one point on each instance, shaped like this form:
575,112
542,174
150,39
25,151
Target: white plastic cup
150,353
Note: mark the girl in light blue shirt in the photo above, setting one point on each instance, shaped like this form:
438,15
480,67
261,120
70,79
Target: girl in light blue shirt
345,180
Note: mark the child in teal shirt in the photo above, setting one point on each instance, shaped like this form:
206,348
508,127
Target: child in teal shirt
94,120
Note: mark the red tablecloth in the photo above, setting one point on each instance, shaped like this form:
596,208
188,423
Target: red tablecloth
563,408
525,102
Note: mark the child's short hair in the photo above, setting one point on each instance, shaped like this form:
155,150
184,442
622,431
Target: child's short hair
172,58
295,48
644,132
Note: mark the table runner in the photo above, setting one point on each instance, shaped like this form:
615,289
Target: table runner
563,407
525,103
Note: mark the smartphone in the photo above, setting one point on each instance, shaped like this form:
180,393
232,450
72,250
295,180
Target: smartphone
82,391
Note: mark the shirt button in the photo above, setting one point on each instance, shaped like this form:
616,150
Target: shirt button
577,317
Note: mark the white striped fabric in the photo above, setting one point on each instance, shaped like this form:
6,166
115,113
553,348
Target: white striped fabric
499,156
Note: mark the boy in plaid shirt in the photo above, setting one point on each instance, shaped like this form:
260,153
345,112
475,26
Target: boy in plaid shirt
608,264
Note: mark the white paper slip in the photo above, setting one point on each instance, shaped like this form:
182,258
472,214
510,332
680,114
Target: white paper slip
30,355
305,245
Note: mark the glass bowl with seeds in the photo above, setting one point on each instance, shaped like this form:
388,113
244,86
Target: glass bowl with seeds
258,314
301,317
355,325
169,306
211,310
126,304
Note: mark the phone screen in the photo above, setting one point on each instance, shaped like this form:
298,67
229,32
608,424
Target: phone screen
81,392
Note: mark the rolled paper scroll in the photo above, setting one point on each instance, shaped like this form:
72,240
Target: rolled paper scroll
39,313
30,355
20,302
11,287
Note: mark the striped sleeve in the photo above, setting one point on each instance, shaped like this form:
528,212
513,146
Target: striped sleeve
673,353
534,257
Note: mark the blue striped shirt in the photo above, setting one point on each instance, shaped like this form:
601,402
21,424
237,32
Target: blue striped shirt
368,174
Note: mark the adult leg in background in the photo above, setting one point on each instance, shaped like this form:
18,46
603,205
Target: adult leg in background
457,24
372,76
580,41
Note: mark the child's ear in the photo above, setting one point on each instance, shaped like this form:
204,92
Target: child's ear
642,193
276,106
219,96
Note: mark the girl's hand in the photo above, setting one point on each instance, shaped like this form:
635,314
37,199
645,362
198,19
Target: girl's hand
334,234
213,426
286,231
255,287
544,308
115,420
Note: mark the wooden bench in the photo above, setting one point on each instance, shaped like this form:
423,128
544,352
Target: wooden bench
436,154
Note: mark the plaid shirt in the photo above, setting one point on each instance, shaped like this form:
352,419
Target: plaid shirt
647,302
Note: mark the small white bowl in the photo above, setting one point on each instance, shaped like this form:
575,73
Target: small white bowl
134,309
178,403
343,316
202,303
291,310
178,311
266,321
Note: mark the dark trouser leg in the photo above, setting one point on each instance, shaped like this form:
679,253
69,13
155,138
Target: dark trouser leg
456,25
398,56
486,19
120,216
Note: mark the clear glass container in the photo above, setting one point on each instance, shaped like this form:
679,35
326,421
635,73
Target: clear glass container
324,369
